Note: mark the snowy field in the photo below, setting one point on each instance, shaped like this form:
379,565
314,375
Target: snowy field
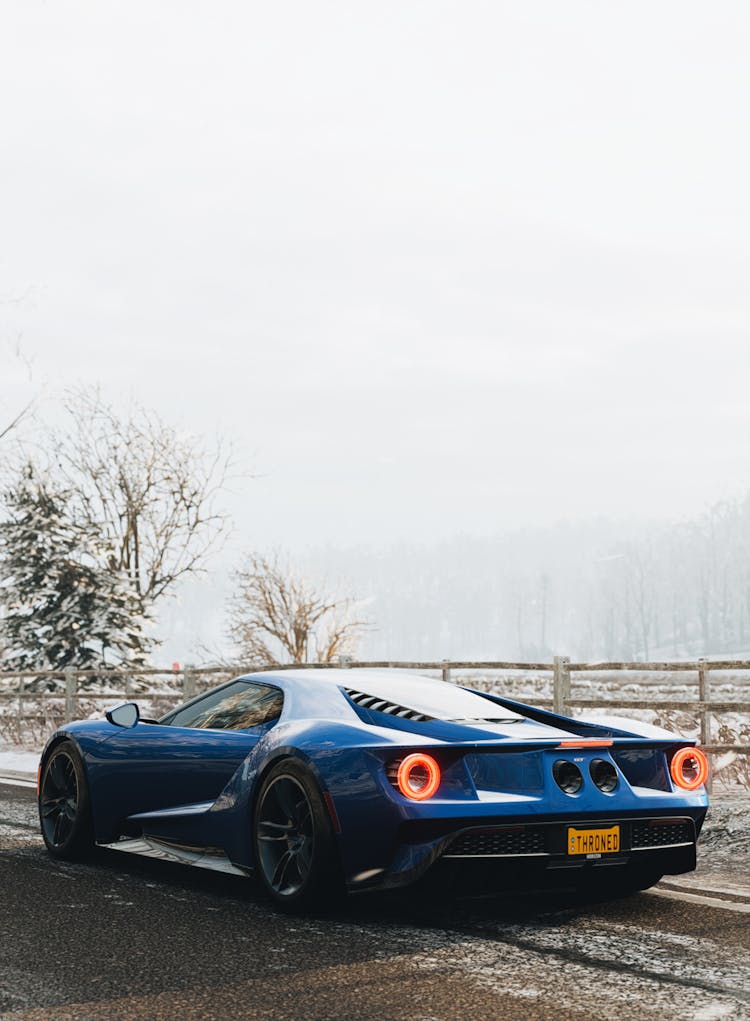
18,760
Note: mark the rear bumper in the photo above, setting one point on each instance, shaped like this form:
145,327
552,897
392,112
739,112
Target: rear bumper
488,875
514,851
549,840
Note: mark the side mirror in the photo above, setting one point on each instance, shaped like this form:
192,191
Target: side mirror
126,714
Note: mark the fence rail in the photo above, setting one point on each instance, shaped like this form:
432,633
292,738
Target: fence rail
186,682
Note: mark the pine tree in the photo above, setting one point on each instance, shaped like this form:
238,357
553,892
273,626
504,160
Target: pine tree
61,607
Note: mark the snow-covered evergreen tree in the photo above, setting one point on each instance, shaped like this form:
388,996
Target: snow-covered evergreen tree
60,607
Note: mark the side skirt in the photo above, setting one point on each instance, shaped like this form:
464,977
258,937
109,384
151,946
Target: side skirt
199,857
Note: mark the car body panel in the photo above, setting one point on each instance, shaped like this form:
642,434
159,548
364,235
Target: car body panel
196,787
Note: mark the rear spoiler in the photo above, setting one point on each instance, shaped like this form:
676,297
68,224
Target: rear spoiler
579,727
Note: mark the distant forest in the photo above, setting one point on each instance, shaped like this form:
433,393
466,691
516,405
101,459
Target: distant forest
600,589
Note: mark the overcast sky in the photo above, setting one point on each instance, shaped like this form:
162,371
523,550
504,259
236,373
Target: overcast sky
436,267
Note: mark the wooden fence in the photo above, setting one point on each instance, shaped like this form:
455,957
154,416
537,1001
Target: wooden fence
188,681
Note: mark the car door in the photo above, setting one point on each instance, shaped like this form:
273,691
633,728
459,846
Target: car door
190,755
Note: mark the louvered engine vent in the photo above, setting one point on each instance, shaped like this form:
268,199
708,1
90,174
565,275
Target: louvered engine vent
382,705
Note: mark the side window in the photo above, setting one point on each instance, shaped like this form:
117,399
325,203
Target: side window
235,707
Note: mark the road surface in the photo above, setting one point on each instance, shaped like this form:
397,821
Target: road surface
129,938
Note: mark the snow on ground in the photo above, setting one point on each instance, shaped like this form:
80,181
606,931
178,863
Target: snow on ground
16,760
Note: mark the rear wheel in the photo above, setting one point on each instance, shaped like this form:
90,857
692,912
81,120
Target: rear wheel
295,850
64,806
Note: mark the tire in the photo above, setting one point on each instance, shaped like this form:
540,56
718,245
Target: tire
296,857
64,805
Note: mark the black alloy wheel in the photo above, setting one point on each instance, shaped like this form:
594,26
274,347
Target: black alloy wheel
64,808
295,850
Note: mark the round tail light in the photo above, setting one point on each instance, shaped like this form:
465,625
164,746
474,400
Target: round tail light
689,768
604,775
567,776
418,777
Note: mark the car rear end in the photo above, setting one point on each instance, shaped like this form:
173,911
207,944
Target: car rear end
552,811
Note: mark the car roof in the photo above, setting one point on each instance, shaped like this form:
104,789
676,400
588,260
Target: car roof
428,695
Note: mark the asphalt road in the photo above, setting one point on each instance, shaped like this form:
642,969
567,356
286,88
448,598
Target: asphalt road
130,938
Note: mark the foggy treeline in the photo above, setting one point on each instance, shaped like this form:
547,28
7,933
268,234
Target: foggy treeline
600,590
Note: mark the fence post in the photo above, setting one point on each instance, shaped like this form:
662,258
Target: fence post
71,685
446,671
188,682
560,684
704,696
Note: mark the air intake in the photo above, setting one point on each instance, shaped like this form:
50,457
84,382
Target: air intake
500,843
382,705
661,833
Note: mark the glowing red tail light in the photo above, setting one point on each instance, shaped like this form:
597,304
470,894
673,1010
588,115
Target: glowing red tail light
689,768
418,777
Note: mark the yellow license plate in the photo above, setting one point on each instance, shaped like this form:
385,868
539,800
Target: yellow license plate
606,841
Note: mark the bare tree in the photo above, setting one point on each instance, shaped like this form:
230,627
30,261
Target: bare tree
276,616
151,491
16,420
12,419
640,595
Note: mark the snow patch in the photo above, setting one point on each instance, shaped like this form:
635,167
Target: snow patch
18,761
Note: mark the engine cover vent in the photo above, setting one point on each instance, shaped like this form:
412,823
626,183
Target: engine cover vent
381,705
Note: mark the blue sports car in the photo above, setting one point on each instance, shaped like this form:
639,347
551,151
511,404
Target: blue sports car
323,780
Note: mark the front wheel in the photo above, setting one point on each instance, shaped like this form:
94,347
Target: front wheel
295,850
64,806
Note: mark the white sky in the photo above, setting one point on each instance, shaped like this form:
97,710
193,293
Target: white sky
436,267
